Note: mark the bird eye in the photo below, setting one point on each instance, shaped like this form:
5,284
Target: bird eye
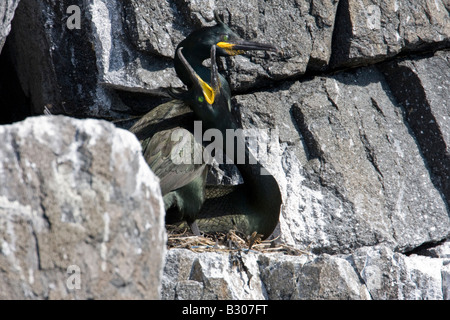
225,38
200,99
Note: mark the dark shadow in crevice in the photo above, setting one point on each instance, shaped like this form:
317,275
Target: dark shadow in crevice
424,249
312,150
14,104
408,90
342,35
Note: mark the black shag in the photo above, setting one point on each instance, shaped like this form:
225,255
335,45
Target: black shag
166,129
253,206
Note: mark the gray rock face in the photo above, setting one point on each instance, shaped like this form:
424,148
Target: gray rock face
56,66
275,22
359,146
390,275
364,179
7,8
81,214
301,30
420,86
372,30
368,273
207,276
126,46
326,277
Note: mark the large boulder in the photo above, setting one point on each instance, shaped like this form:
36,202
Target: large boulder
211,276
81,214
127,46
390,275
238,275
325,277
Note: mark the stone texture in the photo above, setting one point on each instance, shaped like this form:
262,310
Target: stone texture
375,272
147,33
77,193
325,277
364,179
119,64
446,281
393,276
301,30
7,8
368,31
211,276
238,275
421,87
56,66
13,104
76,72
128,46
361,154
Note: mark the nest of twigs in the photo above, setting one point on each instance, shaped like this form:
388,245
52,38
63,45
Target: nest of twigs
231,241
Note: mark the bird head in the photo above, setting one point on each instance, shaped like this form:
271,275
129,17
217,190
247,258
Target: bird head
228,42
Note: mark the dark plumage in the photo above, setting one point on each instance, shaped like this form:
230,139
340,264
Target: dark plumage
168,129
197,45
252,206
161,132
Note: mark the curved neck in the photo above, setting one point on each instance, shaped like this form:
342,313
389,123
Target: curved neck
195,59
259,181
262,194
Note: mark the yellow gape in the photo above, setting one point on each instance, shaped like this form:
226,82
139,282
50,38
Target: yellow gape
208,92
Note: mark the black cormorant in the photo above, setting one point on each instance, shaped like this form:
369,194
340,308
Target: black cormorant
166,129
253,206
196,49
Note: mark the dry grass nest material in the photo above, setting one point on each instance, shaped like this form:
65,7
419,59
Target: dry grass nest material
221,242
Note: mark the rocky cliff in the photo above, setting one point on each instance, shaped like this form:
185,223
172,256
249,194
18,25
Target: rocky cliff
356,119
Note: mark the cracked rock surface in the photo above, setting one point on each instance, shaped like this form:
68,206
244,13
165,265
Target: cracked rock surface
77,199
374,272
351,116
